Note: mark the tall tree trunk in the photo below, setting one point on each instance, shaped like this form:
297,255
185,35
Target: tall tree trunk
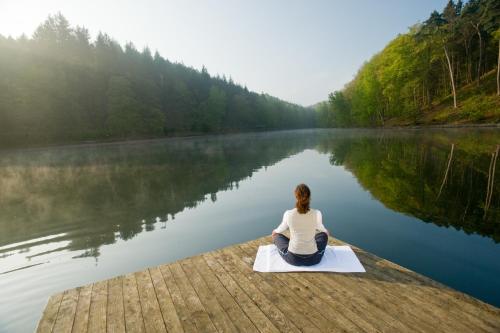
451,77
498,70
470,69
415,103
468,78
469,64
491,180
381,116
476,26
415,97
447,169
422,103
443,89
469,191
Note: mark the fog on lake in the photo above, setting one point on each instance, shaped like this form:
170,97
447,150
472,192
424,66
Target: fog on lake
428,200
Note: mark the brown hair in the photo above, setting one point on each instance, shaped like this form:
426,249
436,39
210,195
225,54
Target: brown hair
303,196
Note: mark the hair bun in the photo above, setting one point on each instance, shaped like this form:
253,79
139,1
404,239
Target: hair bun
303,196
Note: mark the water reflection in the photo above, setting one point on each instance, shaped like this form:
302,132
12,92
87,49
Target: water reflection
73,215
441,177
90,196
80,198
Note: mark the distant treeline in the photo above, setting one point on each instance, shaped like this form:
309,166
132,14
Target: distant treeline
60,86
428,64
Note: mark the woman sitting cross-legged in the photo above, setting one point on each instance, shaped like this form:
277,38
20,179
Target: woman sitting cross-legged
305,247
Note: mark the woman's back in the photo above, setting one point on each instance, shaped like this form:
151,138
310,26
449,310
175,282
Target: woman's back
305,247
302,230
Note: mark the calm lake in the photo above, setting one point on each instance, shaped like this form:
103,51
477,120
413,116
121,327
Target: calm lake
428,200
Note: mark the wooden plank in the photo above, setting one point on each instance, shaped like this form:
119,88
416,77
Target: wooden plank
463,301
98,304
467,304
267,304
82,309
341,313
452,302
350,303
132,305
377,308
303,316
333,311
419,298
409,297
116,314
214,310
151,313
407,291
168,311
197,311
416,301
354,298
67,310
260,320
383,294
362,301
219,291
420,301
182,310
49,315
226,300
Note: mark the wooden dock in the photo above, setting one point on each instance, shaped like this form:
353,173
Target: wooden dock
219,292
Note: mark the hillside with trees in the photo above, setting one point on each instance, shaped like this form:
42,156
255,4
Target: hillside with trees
444,70
60,86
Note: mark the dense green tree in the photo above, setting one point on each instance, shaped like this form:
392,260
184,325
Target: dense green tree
496,34
427,65
61,86
339,103
123,109
212,111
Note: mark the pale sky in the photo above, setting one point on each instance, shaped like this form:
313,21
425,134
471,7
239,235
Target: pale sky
296,50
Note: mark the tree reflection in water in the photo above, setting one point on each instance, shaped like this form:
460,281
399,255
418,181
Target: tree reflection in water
92,195
96,194
443,177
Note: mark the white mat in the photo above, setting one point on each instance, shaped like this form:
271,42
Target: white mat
340,259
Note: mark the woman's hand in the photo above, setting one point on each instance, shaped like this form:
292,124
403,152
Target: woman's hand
274,233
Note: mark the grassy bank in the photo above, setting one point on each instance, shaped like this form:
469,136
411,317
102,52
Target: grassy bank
476,105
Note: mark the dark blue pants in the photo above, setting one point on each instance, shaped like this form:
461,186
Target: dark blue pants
281,242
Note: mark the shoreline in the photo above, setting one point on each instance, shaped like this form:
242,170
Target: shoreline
135,140
445,126
91,143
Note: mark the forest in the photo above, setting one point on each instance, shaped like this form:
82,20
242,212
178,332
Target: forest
445,69
61,86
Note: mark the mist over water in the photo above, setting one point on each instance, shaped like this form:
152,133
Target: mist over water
74,215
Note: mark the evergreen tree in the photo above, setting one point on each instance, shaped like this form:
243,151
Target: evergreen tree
61,86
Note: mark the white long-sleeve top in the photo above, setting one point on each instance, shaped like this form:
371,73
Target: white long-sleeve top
302,230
